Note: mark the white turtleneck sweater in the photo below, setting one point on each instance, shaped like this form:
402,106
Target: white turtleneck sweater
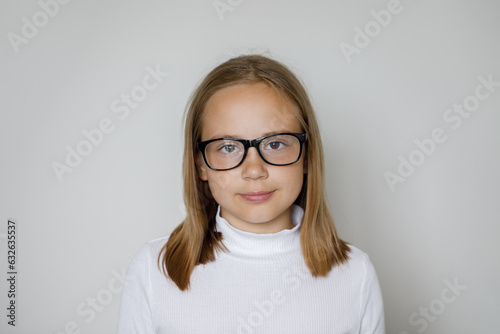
261,286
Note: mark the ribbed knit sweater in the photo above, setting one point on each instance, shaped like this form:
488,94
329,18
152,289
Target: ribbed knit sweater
262,285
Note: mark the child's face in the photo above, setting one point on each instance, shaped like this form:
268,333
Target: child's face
249,111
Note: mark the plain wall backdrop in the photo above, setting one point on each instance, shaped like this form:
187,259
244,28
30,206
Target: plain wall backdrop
407,95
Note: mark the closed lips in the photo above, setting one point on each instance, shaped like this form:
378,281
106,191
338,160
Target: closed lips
257,193
257,196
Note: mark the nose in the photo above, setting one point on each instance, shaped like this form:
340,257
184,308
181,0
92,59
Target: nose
254,167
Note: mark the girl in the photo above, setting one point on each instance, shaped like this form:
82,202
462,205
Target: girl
258,251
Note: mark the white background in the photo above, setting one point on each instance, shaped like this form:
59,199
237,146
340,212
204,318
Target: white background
77,235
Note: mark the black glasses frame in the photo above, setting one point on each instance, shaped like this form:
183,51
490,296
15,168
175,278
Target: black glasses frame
302,137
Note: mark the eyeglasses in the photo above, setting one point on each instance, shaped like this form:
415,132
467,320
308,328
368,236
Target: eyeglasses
278,149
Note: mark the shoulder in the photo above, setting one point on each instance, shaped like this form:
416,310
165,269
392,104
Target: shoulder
149,251
152,248
358,264
357,256
371,307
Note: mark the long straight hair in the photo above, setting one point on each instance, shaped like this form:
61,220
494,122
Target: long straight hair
195,241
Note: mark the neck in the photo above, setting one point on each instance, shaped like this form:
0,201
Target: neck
279,223
261,247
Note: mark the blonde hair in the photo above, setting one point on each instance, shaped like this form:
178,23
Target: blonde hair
195,240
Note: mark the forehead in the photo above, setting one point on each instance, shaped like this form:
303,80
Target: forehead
248,111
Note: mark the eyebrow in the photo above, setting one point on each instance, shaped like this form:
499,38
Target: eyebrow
238,137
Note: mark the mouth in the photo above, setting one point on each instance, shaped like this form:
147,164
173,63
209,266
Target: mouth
258,196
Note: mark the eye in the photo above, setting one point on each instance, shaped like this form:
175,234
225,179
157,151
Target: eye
228,148
275,145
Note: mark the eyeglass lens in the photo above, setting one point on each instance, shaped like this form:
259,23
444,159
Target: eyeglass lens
277,149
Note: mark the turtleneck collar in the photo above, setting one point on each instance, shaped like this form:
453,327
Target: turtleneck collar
249,246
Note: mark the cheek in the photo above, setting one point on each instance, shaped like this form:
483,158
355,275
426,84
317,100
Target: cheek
219,183
292,179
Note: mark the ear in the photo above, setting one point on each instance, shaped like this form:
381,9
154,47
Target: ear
200,166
